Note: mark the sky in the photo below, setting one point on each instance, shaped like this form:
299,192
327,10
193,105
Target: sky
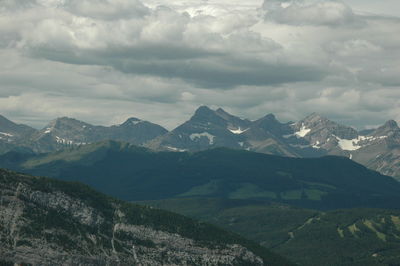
103,61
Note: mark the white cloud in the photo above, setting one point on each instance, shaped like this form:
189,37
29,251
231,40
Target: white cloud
331,13
161,57
103,9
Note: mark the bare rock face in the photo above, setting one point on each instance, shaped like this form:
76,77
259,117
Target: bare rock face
48,222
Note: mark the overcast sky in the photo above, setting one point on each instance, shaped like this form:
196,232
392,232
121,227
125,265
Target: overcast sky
102,61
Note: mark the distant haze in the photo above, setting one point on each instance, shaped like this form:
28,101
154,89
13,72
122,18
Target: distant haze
103,61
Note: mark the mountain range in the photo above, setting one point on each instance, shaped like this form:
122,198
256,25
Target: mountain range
310,210
49,222
313,136
66,132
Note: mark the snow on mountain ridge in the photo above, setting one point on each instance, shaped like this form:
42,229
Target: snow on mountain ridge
210,137
6,134
238,130
354,144
303,131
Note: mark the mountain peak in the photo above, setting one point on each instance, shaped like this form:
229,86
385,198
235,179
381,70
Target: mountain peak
5,121
65,124
269,117
387,129
222,111
132,121
316,119
7,126
204,113
203,110
391,124
66,119
315,116
227,116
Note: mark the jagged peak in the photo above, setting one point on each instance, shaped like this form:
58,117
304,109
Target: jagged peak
391,124
8,126
63,121
314,116
222,111
4,119
66,119
132,121
270,117
225,115
203,109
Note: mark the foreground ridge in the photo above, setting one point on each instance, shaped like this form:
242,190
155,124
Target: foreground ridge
49,222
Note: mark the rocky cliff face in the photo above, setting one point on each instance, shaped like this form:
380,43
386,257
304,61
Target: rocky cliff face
48,222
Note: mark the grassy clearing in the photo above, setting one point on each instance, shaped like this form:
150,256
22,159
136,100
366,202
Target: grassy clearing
249,191
370,225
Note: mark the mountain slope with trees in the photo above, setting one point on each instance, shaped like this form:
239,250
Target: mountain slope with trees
49,222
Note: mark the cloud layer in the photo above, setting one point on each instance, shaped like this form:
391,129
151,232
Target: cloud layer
103,61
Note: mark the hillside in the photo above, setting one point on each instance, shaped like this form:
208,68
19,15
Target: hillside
134,173
49,222
352,237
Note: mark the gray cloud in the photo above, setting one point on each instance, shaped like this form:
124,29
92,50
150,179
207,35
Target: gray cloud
106,9
166,50
130,58
329,13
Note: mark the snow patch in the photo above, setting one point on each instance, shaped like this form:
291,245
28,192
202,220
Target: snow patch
354,144
316,145
300,146
174,149
48,130
348,144
68,142
204,134
351,156
6,134
136,122
237,131
241,144
64,141
303,131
